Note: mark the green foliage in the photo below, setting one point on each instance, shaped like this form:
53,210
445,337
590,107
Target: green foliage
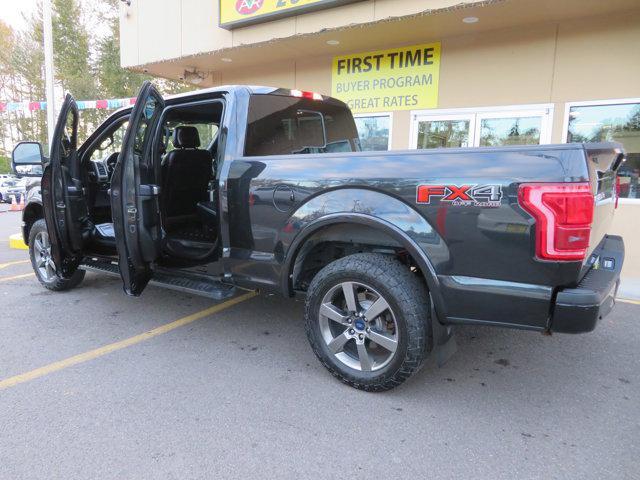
115,81
86,65
71,50
5,164
21,60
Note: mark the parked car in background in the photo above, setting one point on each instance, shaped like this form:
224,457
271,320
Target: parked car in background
10,189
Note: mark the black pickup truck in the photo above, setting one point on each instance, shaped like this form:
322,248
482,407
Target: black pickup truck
264,188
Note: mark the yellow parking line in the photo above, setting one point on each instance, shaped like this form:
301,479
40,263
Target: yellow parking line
626,300
16,277
127,342
9,264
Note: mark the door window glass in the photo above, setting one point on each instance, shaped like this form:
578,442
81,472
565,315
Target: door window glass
373,132
496,132
69,135
443,133
150,111
611,123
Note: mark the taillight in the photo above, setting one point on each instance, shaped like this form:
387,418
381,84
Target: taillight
618,189
563,214
303,94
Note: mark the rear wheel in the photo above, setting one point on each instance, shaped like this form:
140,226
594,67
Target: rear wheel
42,262
367,319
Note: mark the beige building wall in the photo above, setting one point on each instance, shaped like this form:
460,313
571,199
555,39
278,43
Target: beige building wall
177,28
574,60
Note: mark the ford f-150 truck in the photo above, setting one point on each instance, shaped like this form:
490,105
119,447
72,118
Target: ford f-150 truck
265,188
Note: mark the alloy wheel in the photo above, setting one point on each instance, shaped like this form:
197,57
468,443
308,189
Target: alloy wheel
42,255
358,326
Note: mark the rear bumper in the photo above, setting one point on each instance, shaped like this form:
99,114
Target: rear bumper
578,310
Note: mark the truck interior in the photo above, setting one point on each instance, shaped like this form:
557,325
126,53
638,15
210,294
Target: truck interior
184,157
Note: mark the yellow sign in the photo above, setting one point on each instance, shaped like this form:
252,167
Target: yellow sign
236,13
397,79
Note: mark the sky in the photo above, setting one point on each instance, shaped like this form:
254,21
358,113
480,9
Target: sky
11,10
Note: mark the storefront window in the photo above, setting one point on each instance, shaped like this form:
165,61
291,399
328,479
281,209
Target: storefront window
443,133
611,123
495,132
374,132
483,127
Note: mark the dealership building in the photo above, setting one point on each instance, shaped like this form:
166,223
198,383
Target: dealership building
423,73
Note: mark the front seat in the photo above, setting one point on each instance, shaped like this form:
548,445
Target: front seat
186,172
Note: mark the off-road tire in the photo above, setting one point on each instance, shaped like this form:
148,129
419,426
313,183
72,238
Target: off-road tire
409,300
56,284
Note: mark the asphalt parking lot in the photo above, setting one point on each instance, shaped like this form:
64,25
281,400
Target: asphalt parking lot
239,394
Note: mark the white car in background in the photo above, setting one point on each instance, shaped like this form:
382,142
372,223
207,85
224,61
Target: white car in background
10,188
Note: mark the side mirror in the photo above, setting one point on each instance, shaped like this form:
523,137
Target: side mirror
26,159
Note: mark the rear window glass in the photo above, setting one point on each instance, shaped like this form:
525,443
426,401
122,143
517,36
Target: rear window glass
281,125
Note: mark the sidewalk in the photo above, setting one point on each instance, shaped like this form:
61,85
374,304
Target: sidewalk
629,288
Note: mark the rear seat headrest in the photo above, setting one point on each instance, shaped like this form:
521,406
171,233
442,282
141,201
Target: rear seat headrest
186,137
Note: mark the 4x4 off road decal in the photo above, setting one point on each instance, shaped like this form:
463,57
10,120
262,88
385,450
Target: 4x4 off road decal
462,195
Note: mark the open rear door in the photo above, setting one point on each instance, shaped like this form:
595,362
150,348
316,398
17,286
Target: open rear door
134,194
65,207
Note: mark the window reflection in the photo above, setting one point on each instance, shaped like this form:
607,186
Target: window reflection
443,133
611,123
496,132
373,132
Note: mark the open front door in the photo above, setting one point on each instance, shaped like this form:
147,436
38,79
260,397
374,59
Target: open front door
134,194
65,207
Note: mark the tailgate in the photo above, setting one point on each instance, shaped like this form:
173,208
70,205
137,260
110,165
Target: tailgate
603,161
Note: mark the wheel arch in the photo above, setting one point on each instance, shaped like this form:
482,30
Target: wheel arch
30,215
350,222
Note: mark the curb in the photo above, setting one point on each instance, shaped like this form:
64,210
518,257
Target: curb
16,241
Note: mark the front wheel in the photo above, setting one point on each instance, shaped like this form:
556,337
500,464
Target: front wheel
42,262
367,318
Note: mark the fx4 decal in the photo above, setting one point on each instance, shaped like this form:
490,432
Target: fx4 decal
463,195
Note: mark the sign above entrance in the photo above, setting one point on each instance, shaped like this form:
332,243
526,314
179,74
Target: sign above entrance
239,13
397,79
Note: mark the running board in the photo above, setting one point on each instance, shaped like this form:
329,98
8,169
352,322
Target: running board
196,284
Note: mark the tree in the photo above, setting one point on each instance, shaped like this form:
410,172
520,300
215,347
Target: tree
21,78
71,50
72,59
87,65
115,81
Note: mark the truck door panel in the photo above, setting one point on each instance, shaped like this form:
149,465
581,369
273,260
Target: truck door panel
134,194
64,202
